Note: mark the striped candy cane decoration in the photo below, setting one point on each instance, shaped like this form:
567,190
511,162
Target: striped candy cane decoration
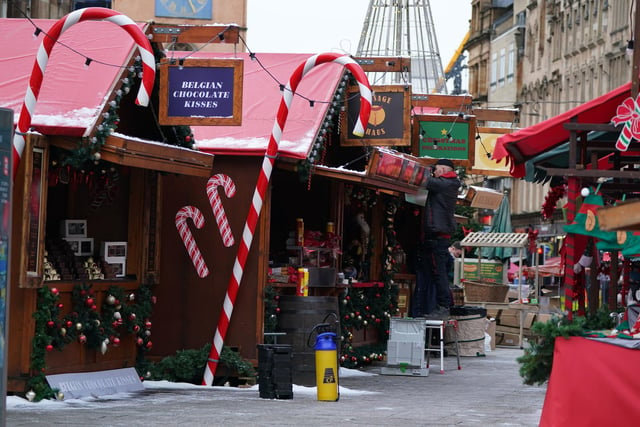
187,238
628,113
263,180
216,204
42,57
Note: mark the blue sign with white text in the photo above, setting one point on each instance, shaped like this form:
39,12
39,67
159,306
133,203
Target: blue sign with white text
200,92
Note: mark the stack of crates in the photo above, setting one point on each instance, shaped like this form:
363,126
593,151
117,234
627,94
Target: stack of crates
405,348
275,371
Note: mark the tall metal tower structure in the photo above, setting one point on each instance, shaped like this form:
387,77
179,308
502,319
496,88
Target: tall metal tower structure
403,28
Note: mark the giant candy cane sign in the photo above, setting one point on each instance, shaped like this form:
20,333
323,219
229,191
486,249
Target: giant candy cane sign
42,57
263,180
193,213
628,113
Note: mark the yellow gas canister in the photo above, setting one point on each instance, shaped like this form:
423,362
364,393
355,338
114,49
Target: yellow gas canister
327,367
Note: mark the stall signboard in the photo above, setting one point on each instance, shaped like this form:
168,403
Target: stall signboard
445,137
389,122
484,163
487,270
202,92
6,152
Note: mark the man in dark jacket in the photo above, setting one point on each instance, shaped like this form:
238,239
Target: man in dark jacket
432,296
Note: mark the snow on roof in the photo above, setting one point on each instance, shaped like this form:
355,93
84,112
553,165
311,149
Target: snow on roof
72,94
260,103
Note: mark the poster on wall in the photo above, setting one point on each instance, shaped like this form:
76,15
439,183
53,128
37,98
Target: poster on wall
389,122
483,162
444,137
6,152
202,92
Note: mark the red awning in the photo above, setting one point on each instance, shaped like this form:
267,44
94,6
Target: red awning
72,94
524,144
261,100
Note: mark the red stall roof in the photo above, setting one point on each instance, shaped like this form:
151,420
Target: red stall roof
260,103
72,95
524,144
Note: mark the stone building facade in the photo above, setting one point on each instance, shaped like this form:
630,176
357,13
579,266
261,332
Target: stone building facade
545,57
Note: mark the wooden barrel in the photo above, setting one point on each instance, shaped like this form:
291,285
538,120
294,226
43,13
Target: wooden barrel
297,318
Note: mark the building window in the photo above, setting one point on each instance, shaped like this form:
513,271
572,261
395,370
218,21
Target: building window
81,4
494,71
501,67
511,63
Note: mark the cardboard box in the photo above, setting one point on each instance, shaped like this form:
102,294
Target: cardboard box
403,301
512,318
484,197
507,339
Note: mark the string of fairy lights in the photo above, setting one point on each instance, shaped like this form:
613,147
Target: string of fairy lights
336,104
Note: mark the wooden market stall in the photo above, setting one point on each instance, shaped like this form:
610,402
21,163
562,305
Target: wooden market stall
89,233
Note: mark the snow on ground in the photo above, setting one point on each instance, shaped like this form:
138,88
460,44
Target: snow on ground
16,402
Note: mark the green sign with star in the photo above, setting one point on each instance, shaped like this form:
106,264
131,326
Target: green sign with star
448,137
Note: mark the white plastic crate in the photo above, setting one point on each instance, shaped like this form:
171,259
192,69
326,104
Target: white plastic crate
412,330
405,353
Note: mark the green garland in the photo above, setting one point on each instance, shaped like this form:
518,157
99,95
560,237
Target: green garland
87,153
362,307
535,364
130,313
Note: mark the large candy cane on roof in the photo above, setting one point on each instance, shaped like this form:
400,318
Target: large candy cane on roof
263,180
216,204
187,238
42,57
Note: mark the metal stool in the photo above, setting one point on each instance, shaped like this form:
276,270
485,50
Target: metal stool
440,325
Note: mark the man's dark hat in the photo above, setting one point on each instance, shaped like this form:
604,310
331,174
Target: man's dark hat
445,162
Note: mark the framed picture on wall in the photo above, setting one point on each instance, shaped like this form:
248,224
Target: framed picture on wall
73,228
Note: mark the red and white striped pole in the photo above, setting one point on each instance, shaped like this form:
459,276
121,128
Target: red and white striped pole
37,73
263,180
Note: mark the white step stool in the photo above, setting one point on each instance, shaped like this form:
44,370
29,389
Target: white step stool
440,325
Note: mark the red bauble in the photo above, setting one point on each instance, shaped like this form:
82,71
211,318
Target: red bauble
89,302
367,308
60,306
49,347
149,344
139,341
187,138
51,323
116,341
147,324
69,323
55,291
